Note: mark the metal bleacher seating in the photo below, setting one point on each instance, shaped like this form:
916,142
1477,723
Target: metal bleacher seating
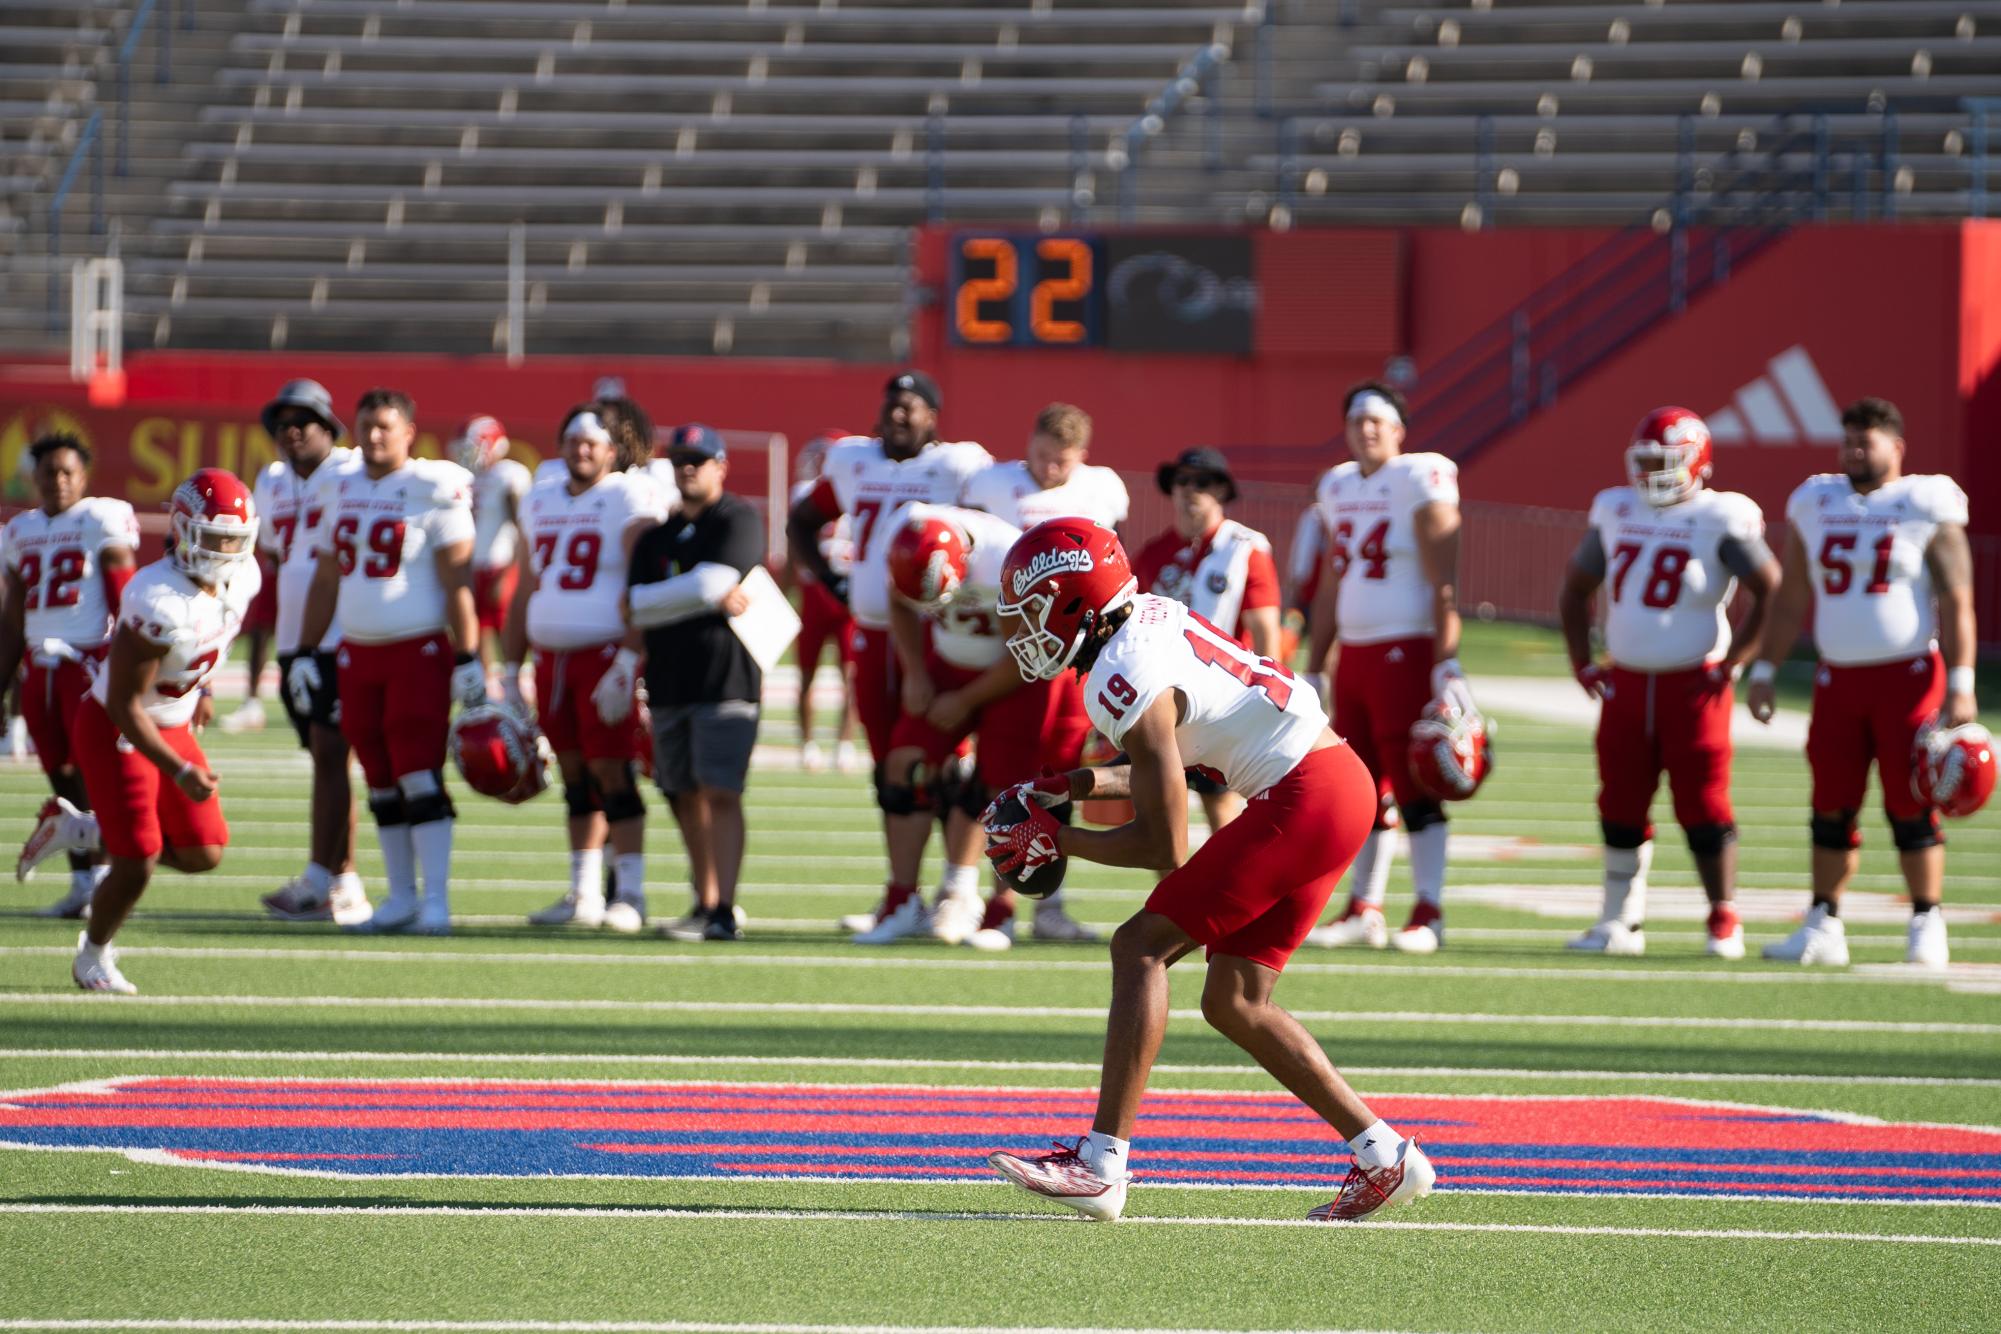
48,59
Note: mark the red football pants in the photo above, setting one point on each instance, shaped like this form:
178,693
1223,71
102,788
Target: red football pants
1673,721
1379,691
396,705
1865,713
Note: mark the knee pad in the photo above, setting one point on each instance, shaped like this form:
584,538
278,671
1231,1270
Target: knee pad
386,806
1916,835
1707,840
950,785
1386,814
625,804
581,797
901,799
1624,835
423,807
1834,832
1420,815
974,796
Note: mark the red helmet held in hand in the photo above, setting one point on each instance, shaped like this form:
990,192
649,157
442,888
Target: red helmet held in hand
499,754
1953,768
1062,578
927,561
1451,751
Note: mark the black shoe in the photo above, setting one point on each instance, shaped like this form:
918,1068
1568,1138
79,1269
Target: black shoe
722,926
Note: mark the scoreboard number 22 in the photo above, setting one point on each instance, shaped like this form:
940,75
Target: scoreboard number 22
1024,291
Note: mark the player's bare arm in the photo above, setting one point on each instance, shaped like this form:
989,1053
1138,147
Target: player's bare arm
1789,608
1759,582
951,708
1261,623
1324,618
1950,560
461,616
321,595
133,663
906,637
1437,528
802,537
514,630
1156,838
1583,574
13,625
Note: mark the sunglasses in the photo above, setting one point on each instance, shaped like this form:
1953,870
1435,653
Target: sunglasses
298,417
1201,481
690,460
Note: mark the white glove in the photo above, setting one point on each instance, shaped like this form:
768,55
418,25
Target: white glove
469,682
52,651
302,682
510,691
613,693
1448,683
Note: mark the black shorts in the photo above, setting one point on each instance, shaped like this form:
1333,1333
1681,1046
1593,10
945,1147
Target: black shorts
325,703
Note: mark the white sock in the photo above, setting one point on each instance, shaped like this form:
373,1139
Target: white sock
433,843
98,872
960,880
347,880
587,873
629,870
1626,883
1107,1155
1377,1146
1369,877
1427,864
399,859
81,880
317,878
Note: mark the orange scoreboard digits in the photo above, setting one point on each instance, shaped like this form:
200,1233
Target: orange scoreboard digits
1012,290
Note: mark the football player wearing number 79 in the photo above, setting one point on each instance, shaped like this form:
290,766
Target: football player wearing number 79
1882,558
1176,693
394,552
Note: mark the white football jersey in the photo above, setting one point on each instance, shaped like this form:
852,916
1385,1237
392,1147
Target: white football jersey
285,528
164,606
966,630
1248,719
385,533
1009,491
577,555
493,533
1372,540
55,557
1865,556
868,486
1667,591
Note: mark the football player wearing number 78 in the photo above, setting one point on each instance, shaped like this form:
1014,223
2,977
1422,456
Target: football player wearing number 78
1176,692
394,552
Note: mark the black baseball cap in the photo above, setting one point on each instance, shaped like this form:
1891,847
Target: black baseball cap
915,382
308,394
695,438
1197,460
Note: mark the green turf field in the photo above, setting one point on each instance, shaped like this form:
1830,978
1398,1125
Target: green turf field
95,1239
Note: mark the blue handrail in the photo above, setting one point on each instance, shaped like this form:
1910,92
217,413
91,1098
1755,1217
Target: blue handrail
142,18
1979,108
91,142
1196,74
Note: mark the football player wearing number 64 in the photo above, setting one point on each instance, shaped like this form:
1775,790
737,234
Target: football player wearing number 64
394,553
1176,692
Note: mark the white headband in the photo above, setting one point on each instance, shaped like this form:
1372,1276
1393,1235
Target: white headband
586,424
1369,403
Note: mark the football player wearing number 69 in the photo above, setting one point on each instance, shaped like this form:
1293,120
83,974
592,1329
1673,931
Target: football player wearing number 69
578,529
1883,560
394,551
1176,692
1668,554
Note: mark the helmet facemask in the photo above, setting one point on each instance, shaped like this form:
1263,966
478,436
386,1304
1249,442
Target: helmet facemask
1663,474
208,550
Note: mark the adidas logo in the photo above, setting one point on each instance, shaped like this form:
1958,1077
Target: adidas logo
1789,405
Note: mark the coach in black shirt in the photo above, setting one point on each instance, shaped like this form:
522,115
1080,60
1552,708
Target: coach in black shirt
701,683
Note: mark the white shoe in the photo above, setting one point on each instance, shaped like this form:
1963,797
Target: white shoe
1053,923
97,969
993,939
573,909
1064,1177
1417,939
811,758
624,917
1366,927
296,901
847,759
908,919
75,902
397,913
857,922
1821,939
956,916
1369,1189
248,717
1611,938
348,902
1728,941
59,827
1927,948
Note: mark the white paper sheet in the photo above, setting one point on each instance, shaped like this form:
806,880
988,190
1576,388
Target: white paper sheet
768,625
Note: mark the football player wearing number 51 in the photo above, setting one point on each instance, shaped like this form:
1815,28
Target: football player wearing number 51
394,551
1882,558
1176,692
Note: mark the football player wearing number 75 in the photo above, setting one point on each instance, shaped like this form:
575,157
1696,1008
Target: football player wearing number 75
1176,693
394,551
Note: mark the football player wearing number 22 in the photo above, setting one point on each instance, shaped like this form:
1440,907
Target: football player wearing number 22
394,551
1176,692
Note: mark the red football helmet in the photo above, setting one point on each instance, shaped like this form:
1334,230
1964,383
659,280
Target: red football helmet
481,443
1953,768
927,561
1061,578
1451,751
811,459
1670,457
500,754
214,524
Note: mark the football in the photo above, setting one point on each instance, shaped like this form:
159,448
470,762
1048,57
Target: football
1045,879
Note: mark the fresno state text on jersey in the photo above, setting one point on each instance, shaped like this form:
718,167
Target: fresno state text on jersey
577,554
55,558
1248,719
965,632
385,534
286,533
1668,574
164,606
1865,558
864,483
1372,542
1009,491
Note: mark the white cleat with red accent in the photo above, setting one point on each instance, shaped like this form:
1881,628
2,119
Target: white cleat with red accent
1064,1177
95,968
1370,1189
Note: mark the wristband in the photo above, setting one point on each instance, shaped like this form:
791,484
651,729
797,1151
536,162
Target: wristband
1959,681
1762,672
461,659
187,767
509,670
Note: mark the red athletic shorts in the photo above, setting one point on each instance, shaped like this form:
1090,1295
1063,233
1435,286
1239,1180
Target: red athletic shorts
878,687
823,620
1379,691
263,611
139,810
50,698
1865,713
1259,884
564,680
396,704
493,593
1678,721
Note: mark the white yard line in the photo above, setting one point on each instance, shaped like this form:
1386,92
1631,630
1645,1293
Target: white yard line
226,1326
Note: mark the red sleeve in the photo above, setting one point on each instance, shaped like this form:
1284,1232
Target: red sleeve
824,499
115,579
1261,581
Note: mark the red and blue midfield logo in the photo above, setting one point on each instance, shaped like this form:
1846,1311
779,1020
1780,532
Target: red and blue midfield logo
914,1133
